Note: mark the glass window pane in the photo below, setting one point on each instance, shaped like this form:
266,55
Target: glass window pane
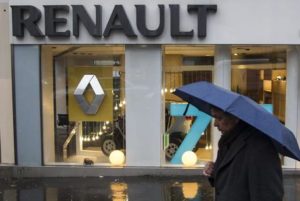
259,72
88,103
185,64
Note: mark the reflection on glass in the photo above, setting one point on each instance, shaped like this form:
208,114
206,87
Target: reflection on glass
190,189
119,191
107,189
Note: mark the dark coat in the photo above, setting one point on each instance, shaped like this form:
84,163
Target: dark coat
249,171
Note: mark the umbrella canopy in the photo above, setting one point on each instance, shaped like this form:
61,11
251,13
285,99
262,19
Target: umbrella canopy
204,95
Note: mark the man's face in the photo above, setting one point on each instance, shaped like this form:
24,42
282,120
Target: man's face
223,122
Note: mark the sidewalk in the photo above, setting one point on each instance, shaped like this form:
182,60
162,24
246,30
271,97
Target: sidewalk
134,188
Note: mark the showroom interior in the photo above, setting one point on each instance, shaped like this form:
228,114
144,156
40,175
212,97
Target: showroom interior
258,72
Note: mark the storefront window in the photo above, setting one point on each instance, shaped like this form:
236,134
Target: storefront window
83,103
183,65
259,72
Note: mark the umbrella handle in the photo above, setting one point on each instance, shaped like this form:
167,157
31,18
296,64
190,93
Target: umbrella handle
186,109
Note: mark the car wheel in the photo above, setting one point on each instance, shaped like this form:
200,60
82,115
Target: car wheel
108,145
172,148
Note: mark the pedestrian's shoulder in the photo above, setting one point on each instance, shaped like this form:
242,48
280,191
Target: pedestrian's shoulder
259,147
258,139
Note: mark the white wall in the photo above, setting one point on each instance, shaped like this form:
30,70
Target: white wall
143,78
6,111
235,22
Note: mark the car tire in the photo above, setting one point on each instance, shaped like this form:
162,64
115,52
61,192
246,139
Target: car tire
172,148
108,145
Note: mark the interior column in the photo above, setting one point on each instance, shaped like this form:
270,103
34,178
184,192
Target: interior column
221,77
292,120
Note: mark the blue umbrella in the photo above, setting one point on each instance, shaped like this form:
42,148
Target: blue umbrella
204,95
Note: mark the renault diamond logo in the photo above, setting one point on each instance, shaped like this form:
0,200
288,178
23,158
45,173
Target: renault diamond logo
98,98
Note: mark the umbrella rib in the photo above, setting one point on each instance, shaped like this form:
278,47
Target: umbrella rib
232,103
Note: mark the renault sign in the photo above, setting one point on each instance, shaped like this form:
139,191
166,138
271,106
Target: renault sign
93,107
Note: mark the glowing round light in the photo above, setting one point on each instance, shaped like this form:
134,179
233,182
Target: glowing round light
117,157
189,158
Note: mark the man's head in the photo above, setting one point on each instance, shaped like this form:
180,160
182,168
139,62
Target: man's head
223,121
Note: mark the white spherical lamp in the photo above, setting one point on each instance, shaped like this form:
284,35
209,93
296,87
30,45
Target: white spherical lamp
117,158
189,158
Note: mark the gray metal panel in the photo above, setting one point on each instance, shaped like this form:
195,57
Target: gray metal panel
27,105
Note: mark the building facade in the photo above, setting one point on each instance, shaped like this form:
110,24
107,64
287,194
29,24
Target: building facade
80,80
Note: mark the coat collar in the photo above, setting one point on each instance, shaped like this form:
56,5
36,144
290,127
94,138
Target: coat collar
236,146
